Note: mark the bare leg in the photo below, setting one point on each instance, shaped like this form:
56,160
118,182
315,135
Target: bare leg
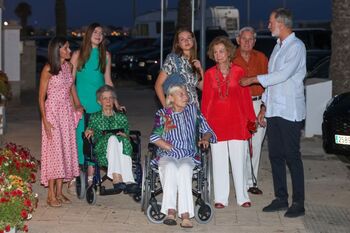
51,195
117,178
59,193
186,222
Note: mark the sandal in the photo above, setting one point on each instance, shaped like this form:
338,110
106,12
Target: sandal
170,220
63,199
186,223
53,202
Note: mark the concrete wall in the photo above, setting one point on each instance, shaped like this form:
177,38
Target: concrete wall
28,66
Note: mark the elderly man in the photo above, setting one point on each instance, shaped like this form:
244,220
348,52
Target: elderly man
254,63
285,112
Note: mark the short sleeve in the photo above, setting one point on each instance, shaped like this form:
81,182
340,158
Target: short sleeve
169,66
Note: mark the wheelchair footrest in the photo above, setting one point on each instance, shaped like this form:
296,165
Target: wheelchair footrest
112,191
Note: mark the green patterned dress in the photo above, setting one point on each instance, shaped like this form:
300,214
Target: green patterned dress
88,80
99,122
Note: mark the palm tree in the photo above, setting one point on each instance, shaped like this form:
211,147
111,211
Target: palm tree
184,14
340,59
23,11
61,19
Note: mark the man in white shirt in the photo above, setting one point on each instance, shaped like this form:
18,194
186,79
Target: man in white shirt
284,109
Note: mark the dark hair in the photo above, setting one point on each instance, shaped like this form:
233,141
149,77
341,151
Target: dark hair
176,47
85,49
229,46
54,58
284,16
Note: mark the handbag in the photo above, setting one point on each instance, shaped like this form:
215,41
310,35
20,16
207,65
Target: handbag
175,78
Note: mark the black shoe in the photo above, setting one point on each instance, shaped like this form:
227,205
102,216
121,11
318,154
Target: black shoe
295,210
255,190
131,188
276,205
119,187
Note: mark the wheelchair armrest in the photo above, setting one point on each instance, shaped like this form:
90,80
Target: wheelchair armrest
152,147
135,132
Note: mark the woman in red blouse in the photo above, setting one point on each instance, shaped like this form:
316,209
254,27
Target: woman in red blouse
228,108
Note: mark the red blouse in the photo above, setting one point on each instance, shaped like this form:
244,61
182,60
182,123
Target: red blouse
227,111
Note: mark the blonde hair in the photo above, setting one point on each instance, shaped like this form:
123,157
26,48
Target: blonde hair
230,48
171,90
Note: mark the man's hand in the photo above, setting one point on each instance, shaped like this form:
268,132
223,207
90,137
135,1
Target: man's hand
248,81
261,117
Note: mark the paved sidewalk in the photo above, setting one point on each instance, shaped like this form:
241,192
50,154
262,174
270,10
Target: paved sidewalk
326,179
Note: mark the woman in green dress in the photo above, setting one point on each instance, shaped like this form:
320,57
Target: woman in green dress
113,150
91,70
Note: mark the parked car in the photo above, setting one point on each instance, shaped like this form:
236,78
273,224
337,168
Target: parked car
120,49
336,125
320,70
148,65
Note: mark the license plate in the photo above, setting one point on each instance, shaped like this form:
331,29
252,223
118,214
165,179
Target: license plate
342,139
142,64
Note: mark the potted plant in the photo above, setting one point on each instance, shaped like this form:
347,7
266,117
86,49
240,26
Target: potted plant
5,88
17,199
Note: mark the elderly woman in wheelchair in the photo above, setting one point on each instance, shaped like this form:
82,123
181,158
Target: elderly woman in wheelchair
175,135
109,131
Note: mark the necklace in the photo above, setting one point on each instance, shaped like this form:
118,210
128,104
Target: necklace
225,83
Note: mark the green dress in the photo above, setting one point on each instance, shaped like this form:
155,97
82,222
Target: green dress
99,122
88,80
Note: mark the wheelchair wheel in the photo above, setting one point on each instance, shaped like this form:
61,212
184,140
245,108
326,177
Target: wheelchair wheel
206,188
146,190
91,195
153,216
80,185
203,213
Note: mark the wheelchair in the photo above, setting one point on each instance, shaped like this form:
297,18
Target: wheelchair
151,188
84,190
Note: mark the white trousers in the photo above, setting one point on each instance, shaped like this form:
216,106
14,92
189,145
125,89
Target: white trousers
176,178
257,141
236,150
117,161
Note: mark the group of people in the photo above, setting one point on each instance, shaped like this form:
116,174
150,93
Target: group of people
68,87
242,95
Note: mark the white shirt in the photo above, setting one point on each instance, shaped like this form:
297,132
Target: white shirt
284,87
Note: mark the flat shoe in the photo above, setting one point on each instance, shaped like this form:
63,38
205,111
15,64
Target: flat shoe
53,203
219,206
246,204
186,223
63,199
255,190
170,220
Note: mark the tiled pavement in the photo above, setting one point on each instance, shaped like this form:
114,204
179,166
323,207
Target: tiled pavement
326,178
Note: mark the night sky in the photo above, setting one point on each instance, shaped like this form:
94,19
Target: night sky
119,12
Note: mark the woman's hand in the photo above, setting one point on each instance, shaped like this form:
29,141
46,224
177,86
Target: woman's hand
122,134
79,108
48,128
197,64
204,143
89,133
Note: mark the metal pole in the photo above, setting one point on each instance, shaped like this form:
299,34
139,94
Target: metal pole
192,15
203,26
161,31
248,12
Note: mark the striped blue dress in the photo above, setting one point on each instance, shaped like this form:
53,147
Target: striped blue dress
180,129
